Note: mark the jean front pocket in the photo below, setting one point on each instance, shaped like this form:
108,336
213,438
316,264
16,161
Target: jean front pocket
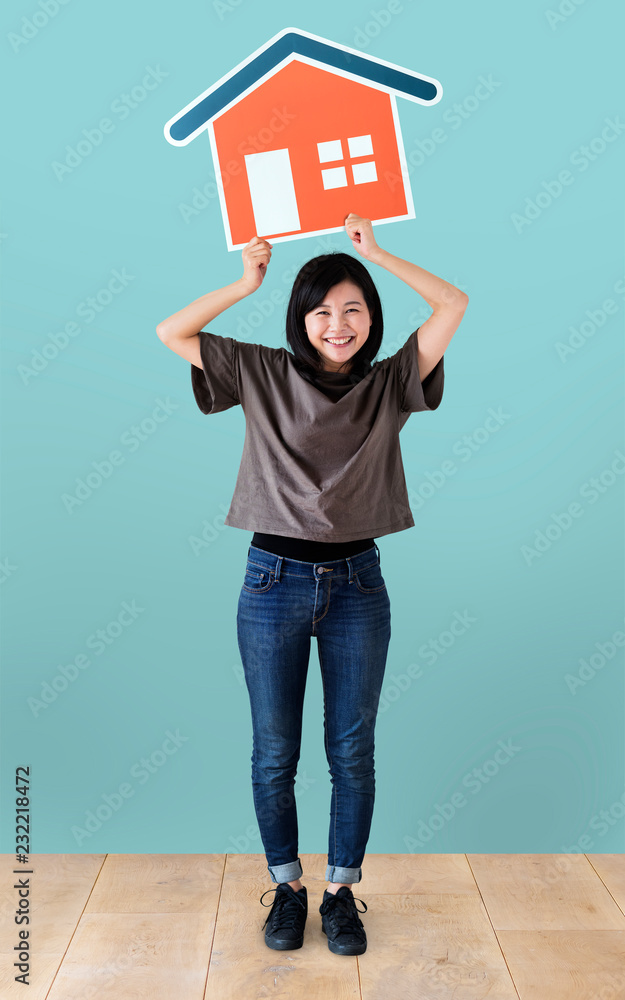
370,579
258,580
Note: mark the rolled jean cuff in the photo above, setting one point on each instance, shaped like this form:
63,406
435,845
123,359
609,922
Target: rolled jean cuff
286,873
347,875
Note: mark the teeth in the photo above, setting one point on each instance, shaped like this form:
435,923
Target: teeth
343,341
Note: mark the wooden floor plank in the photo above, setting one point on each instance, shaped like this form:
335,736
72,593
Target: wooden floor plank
438,926
60,886
242,966
567,964
158,883
432,946
611,870
118,956
544,892
420,873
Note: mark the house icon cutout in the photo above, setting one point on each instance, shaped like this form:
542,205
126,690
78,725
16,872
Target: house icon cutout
303,132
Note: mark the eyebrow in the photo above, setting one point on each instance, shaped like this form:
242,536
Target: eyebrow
352,302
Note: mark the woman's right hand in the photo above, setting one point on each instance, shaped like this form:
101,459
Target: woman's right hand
256,256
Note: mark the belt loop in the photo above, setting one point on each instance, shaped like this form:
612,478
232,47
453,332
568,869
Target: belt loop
350,578
279,568
378,551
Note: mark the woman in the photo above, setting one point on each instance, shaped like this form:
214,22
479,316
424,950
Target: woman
321,475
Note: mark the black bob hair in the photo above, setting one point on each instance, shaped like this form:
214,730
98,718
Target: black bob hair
313,281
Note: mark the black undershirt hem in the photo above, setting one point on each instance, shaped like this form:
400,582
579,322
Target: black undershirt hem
308,550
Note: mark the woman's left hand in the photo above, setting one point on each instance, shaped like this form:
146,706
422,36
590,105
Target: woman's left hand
360,232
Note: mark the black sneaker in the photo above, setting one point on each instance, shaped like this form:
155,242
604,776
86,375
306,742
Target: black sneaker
341,923
287,917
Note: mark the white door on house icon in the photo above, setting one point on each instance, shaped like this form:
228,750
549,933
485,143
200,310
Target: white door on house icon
272,191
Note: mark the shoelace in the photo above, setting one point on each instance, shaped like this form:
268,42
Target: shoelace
342,913
287,908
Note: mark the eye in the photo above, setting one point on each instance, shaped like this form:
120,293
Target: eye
324,312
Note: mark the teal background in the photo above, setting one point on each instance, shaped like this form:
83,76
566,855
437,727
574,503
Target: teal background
153,532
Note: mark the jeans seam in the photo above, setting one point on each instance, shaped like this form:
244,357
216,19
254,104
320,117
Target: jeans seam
327,743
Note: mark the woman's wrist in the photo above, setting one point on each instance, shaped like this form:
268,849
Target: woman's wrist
245,286
378,255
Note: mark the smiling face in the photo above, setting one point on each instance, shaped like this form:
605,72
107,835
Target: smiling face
343,315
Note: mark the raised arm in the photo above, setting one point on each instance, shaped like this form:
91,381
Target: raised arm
447,301
181,331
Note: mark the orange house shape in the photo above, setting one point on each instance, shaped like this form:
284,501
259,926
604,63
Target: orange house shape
302,133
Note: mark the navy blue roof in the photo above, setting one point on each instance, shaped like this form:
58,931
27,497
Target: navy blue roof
289,43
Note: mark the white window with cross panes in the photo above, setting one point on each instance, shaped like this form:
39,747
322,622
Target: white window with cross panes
340,175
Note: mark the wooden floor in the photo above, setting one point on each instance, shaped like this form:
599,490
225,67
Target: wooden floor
439,927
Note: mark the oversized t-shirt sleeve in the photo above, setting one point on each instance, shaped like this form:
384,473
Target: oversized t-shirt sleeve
417,395
215,383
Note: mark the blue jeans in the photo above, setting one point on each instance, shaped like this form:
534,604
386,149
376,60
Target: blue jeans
345,605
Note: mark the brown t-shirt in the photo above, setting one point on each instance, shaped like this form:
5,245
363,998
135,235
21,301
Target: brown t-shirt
312,467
